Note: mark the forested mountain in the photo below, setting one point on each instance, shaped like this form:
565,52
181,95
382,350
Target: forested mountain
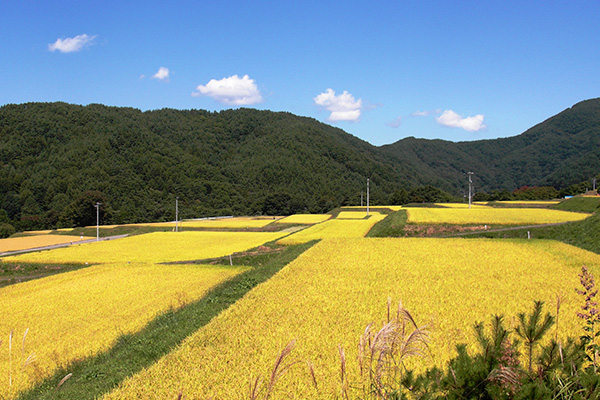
56,159
563,150
231,162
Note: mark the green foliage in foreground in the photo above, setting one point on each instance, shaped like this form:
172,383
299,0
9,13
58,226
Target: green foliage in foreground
553,371
98,375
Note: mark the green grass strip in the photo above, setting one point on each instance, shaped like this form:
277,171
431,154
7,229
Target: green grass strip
390,226
98,375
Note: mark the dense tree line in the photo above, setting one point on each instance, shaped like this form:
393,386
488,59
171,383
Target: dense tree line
57,160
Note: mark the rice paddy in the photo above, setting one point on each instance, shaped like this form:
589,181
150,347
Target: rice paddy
80,313
491,216
154,248
329,294
322,300
35,241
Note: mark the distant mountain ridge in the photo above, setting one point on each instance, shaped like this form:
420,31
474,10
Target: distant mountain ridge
245,161
559,151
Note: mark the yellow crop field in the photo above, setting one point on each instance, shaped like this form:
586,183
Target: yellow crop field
77,314
490,216
393,208
352,215
308,219
334,228
460,205
328,295
31,242
232,223
42,232
237,223
154,247
532,202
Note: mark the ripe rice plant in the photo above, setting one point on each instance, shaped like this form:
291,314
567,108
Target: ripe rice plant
308,219
460,205
326,297
232,223
352,215
334,228
81,313
532,202
31,242
154,247
393,208
491,216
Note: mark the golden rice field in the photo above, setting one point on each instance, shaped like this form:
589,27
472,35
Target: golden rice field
460,205
42,232
328,295
352,215
31,242
532,202
81,313
308,219
232,223
490,216
393,208
154,247
334,228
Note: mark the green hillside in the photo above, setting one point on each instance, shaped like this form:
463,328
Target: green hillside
55,157
57,160
563,150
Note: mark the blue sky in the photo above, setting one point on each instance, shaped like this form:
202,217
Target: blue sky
380,70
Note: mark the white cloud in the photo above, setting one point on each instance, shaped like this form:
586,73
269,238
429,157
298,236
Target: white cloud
420,114
452,119
425,113
162,74
343,107
395,123
70,45
232,91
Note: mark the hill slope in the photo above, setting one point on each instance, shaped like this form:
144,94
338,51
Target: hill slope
560,151
249,161
237,161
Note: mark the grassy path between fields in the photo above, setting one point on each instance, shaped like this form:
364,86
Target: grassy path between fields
100,374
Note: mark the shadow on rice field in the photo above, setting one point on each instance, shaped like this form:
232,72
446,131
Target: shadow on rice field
95,376
11,273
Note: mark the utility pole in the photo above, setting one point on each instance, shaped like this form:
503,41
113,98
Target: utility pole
97,220
594,183
367,197
361,199
176,214
470,187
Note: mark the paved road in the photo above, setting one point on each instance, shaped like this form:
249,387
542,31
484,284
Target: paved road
56,246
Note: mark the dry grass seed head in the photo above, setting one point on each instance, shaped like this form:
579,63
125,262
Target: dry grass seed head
63,380
311,369
279,368
343,375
